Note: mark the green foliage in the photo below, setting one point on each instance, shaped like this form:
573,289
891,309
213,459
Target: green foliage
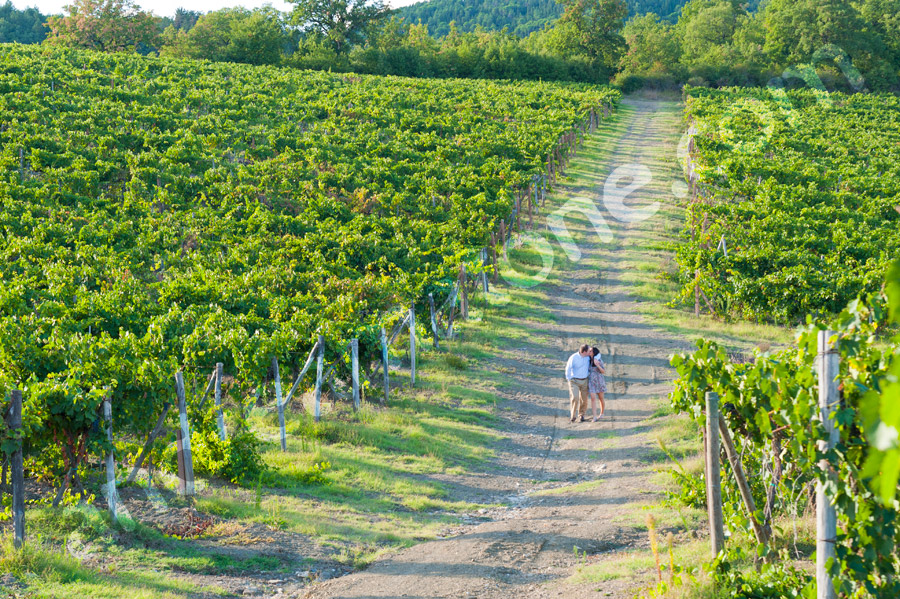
776,396
228,213
809,224
456,362
21,26
725,42
46,563
518,17
237,459
314,474
772,581
230,35
342,23
408,50
652,48
596,26
105,25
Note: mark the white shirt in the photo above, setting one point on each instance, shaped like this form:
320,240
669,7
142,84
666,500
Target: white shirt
577,366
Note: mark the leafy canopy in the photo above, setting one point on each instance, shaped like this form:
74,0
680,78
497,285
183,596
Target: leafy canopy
105,25
344,23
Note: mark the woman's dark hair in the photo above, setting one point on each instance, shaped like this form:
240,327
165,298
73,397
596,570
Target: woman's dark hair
595,351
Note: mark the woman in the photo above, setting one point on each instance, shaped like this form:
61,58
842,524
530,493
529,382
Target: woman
596,382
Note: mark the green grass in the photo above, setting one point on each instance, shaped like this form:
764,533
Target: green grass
48,571
379,490
582,487
639,566
358,483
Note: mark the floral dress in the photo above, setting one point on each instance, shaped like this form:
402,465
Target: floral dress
596,382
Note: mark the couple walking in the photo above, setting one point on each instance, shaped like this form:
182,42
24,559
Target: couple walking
584,371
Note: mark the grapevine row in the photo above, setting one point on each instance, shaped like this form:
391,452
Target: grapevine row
161,216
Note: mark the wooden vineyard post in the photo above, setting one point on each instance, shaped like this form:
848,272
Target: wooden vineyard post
354,370
741,479
384,360
183,442
156,432
484,263
826,520
320,365
220,418
713,479
299,379
503,238
18,472
434,330
464,297
111,495
278,403
697,294
412,344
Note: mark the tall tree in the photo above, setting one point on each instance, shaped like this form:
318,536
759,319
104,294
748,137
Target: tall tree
653,47
185,19
796,29
884,18
597,27
106,25
707,29
21,26
230,35
344,23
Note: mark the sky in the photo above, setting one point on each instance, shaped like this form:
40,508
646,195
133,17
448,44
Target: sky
166,8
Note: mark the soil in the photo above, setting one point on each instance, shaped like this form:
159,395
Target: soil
527,548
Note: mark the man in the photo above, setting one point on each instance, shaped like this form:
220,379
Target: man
577,370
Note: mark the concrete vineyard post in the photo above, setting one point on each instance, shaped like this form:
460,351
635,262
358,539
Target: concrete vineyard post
713,479
354,370
494,256
453,297
279,403
464,297
484,264
412,344
384,360
826,519
17,467
220,418
111,495
320,365
183,442
434,330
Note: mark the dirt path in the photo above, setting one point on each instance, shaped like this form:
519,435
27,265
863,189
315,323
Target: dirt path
526,549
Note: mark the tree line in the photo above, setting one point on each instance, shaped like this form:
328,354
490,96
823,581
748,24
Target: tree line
712,42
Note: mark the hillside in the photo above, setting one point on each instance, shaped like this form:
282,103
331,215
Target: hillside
521,17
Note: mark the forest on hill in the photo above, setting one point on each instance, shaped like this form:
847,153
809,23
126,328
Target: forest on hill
704,42
519,17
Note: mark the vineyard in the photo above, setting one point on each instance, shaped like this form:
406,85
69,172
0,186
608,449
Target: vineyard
161,216
771,403
793,216
794,201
